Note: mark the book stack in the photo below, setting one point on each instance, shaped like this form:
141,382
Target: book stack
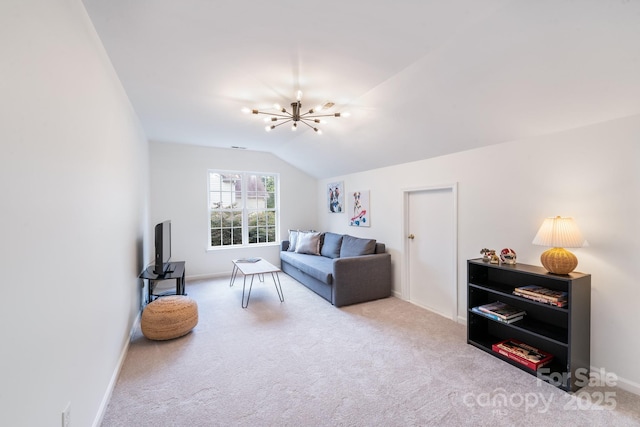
522,353
543,295
500,311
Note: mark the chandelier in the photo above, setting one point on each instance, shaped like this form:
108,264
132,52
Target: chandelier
310,118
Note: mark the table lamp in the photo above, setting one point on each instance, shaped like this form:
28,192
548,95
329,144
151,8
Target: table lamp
559,233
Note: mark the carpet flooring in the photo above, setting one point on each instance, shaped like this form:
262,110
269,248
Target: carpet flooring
304,362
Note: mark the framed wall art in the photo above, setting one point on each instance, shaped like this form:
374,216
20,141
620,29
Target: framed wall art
335,197
359,210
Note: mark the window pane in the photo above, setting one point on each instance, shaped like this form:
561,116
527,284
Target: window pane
228,219
271,218
226,237
237,236
253,234
216,219
216,237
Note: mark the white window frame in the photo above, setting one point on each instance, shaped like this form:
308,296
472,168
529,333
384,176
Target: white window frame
245,209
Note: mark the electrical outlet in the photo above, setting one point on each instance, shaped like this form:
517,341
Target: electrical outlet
66,416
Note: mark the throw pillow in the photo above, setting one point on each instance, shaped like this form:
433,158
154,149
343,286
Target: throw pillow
293,237
354,246
331,245
308,243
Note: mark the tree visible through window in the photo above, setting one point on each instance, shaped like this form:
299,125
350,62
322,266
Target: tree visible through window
242,208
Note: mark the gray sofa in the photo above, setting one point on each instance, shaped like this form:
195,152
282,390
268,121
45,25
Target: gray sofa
340,268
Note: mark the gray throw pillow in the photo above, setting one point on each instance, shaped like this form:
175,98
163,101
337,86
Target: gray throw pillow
354,246
331,245
308,243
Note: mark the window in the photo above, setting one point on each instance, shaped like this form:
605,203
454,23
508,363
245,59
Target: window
242,208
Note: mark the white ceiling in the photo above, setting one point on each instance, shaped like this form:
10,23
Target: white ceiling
421,78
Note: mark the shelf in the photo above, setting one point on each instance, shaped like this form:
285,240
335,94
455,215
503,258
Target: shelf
542,330
554,368
563,332
507,291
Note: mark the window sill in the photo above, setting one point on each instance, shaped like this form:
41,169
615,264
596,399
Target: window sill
242,247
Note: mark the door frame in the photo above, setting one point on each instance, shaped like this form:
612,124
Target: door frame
406,193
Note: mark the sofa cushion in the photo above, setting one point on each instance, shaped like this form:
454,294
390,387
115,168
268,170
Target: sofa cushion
318,267
355,246
331,246
308,243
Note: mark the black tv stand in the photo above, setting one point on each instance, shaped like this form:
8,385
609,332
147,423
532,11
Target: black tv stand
175,271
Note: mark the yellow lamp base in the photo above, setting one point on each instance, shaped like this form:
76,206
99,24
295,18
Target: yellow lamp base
559,261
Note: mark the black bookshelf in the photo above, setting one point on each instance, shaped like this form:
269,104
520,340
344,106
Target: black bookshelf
562,331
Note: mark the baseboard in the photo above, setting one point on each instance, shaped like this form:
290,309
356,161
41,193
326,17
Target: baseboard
621,383
459,319
208,276
629,386
114,377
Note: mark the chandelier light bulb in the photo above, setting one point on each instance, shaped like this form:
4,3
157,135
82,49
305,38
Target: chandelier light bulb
299,97
268,128
294,127
277,107
245,110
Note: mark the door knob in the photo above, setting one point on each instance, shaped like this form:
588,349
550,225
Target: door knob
411,236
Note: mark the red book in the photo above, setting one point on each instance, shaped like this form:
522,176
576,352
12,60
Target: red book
522,353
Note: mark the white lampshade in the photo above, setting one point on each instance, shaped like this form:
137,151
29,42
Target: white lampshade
559,232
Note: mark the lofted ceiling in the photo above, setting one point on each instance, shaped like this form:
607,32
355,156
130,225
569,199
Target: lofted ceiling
420,78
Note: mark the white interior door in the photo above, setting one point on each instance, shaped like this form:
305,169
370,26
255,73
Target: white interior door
431,243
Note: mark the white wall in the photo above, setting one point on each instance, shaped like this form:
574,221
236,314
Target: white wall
505,191
179,177
73,177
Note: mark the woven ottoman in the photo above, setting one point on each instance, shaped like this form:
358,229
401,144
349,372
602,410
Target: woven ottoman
169,317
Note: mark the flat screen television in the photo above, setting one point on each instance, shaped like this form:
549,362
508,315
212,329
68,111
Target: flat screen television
163,247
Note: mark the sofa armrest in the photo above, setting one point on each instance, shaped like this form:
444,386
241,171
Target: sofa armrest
284,245
362,278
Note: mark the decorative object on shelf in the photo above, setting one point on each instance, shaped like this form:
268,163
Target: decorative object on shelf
359,208
559,233
494,258
486,254
309,118
335,197
508,256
